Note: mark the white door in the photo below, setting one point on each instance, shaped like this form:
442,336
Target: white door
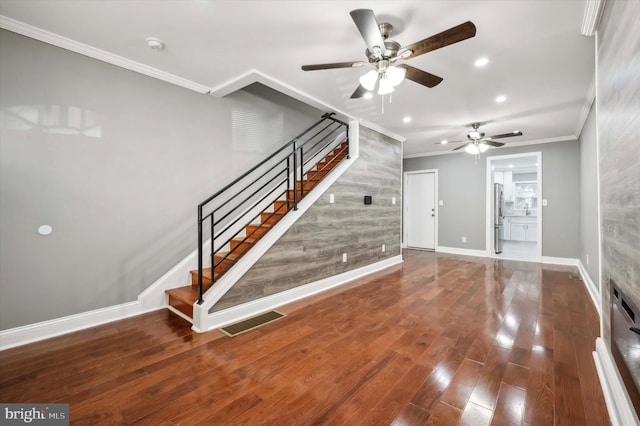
421,210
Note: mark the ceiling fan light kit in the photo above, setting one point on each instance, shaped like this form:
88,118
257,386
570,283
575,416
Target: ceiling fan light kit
383,54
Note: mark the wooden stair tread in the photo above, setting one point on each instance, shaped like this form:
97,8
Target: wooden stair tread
187,294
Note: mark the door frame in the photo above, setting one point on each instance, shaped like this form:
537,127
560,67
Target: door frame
489,197
405,201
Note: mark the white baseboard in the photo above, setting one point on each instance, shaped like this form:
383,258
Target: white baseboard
250,309
567,261
43,330
619,406
593,290
462,251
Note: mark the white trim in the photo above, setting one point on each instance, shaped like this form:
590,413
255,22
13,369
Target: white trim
382,130
591,287
95,53
462,251
568,138
620,408
247,310
489,203
405,233
43,330
591,18
567,261
256,76
586,107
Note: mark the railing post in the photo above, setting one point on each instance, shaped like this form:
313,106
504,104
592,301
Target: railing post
288,182
212,260
301,172
295,174
348,142
200,254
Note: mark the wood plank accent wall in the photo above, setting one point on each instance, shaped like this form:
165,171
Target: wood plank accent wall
312,248
618,117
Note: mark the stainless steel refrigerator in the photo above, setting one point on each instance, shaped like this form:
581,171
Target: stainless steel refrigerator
498,215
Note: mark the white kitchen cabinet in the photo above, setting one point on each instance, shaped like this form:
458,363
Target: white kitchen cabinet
507,181
531,232
524,229
506,226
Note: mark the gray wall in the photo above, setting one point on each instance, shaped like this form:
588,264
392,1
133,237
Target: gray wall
618,124
462,187
312,248
589,226
121,190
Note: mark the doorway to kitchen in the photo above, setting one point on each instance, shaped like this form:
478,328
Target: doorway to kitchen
514,206
420,209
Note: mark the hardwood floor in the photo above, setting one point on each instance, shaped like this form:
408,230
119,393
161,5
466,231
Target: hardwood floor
440,339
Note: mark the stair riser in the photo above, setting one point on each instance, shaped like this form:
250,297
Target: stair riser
269,219
181,306
259,231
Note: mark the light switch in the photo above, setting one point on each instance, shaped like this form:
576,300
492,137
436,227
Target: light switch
441,203
544,203
332,199
393,200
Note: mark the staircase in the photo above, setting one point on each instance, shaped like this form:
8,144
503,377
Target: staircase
182,299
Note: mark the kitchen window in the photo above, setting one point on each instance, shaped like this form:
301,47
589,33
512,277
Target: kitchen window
525,196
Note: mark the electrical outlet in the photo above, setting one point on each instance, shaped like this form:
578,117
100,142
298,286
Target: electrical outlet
464,239
344,257
441,203
544,203
332,199
384,248
393,201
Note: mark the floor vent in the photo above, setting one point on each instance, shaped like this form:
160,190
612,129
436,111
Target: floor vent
251,323
575,277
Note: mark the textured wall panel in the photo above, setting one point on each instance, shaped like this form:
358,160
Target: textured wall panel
618,116
312,248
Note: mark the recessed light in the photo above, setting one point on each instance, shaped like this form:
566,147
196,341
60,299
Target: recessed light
444,141
511,166
407,119
368,95
500,99
154,43
481,62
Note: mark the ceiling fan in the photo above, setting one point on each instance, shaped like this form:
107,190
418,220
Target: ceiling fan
383,53
477,142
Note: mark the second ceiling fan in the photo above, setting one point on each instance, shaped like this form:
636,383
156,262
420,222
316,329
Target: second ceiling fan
383,54
477,142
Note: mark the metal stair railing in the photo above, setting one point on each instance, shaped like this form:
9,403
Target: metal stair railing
229,211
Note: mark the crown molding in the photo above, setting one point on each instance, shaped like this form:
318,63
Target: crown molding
511,145
586,107
591,18
36,33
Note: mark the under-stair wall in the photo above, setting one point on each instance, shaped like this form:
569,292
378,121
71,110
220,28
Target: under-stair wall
312,249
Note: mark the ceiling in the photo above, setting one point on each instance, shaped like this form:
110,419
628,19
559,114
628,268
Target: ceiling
537,57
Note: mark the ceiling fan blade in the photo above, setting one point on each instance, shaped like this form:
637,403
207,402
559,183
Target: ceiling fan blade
505,135
491,143
332,66
359,92
421,77
445,38
462,146
366,22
